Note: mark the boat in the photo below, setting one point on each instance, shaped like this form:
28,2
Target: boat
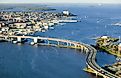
15,42
32,43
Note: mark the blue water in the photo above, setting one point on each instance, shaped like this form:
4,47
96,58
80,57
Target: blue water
25,61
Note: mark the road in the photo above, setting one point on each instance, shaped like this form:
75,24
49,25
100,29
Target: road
90,61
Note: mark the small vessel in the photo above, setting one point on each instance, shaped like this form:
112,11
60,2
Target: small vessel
32,43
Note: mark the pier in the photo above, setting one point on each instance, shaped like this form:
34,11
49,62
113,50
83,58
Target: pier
92,66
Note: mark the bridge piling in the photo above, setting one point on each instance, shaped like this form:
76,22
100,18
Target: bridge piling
18,39
35,40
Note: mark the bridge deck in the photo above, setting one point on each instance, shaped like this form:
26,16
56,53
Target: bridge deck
90,60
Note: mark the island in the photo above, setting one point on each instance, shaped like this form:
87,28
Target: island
109,44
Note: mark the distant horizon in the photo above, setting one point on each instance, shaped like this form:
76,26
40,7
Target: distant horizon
62,1
57,3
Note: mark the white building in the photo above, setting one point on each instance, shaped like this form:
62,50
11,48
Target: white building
104,37
5,29
20,25
119,48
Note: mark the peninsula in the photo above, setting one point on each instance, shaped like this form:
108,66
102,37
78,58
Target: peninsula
109,44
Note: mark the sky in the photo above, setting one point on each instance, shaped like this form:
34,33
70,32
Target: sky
60,1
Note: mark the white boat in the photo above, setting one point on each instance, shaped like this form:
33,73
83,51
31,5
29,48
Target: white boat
15,42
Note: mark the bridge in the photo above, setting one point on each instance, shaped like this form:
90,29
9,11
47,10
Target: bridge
90,51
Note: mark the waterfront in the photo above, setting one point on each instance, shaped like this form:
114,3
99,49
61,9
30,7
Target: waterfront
83,31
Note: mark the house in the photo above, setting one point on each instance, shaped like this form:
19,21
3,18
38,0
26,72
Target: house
4,28
20,24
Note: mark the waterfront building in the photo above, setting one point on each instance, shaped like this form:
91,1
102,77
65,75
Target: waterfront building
105,40
65,12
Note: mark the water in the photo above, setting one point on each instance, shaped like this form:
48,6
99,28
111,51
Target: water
25,61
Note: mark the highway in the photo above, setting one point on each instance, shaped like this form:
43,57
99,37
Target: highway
90,61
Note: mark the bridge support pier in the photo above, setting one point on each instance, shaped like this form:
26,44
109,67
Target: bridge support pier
18,39
86,50
82,48
96,73
48,42
35,40
6,38
75,45
58,43
67,44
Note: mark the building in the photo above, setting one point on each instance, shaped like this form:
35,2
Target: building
5,29
105,40
65,12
